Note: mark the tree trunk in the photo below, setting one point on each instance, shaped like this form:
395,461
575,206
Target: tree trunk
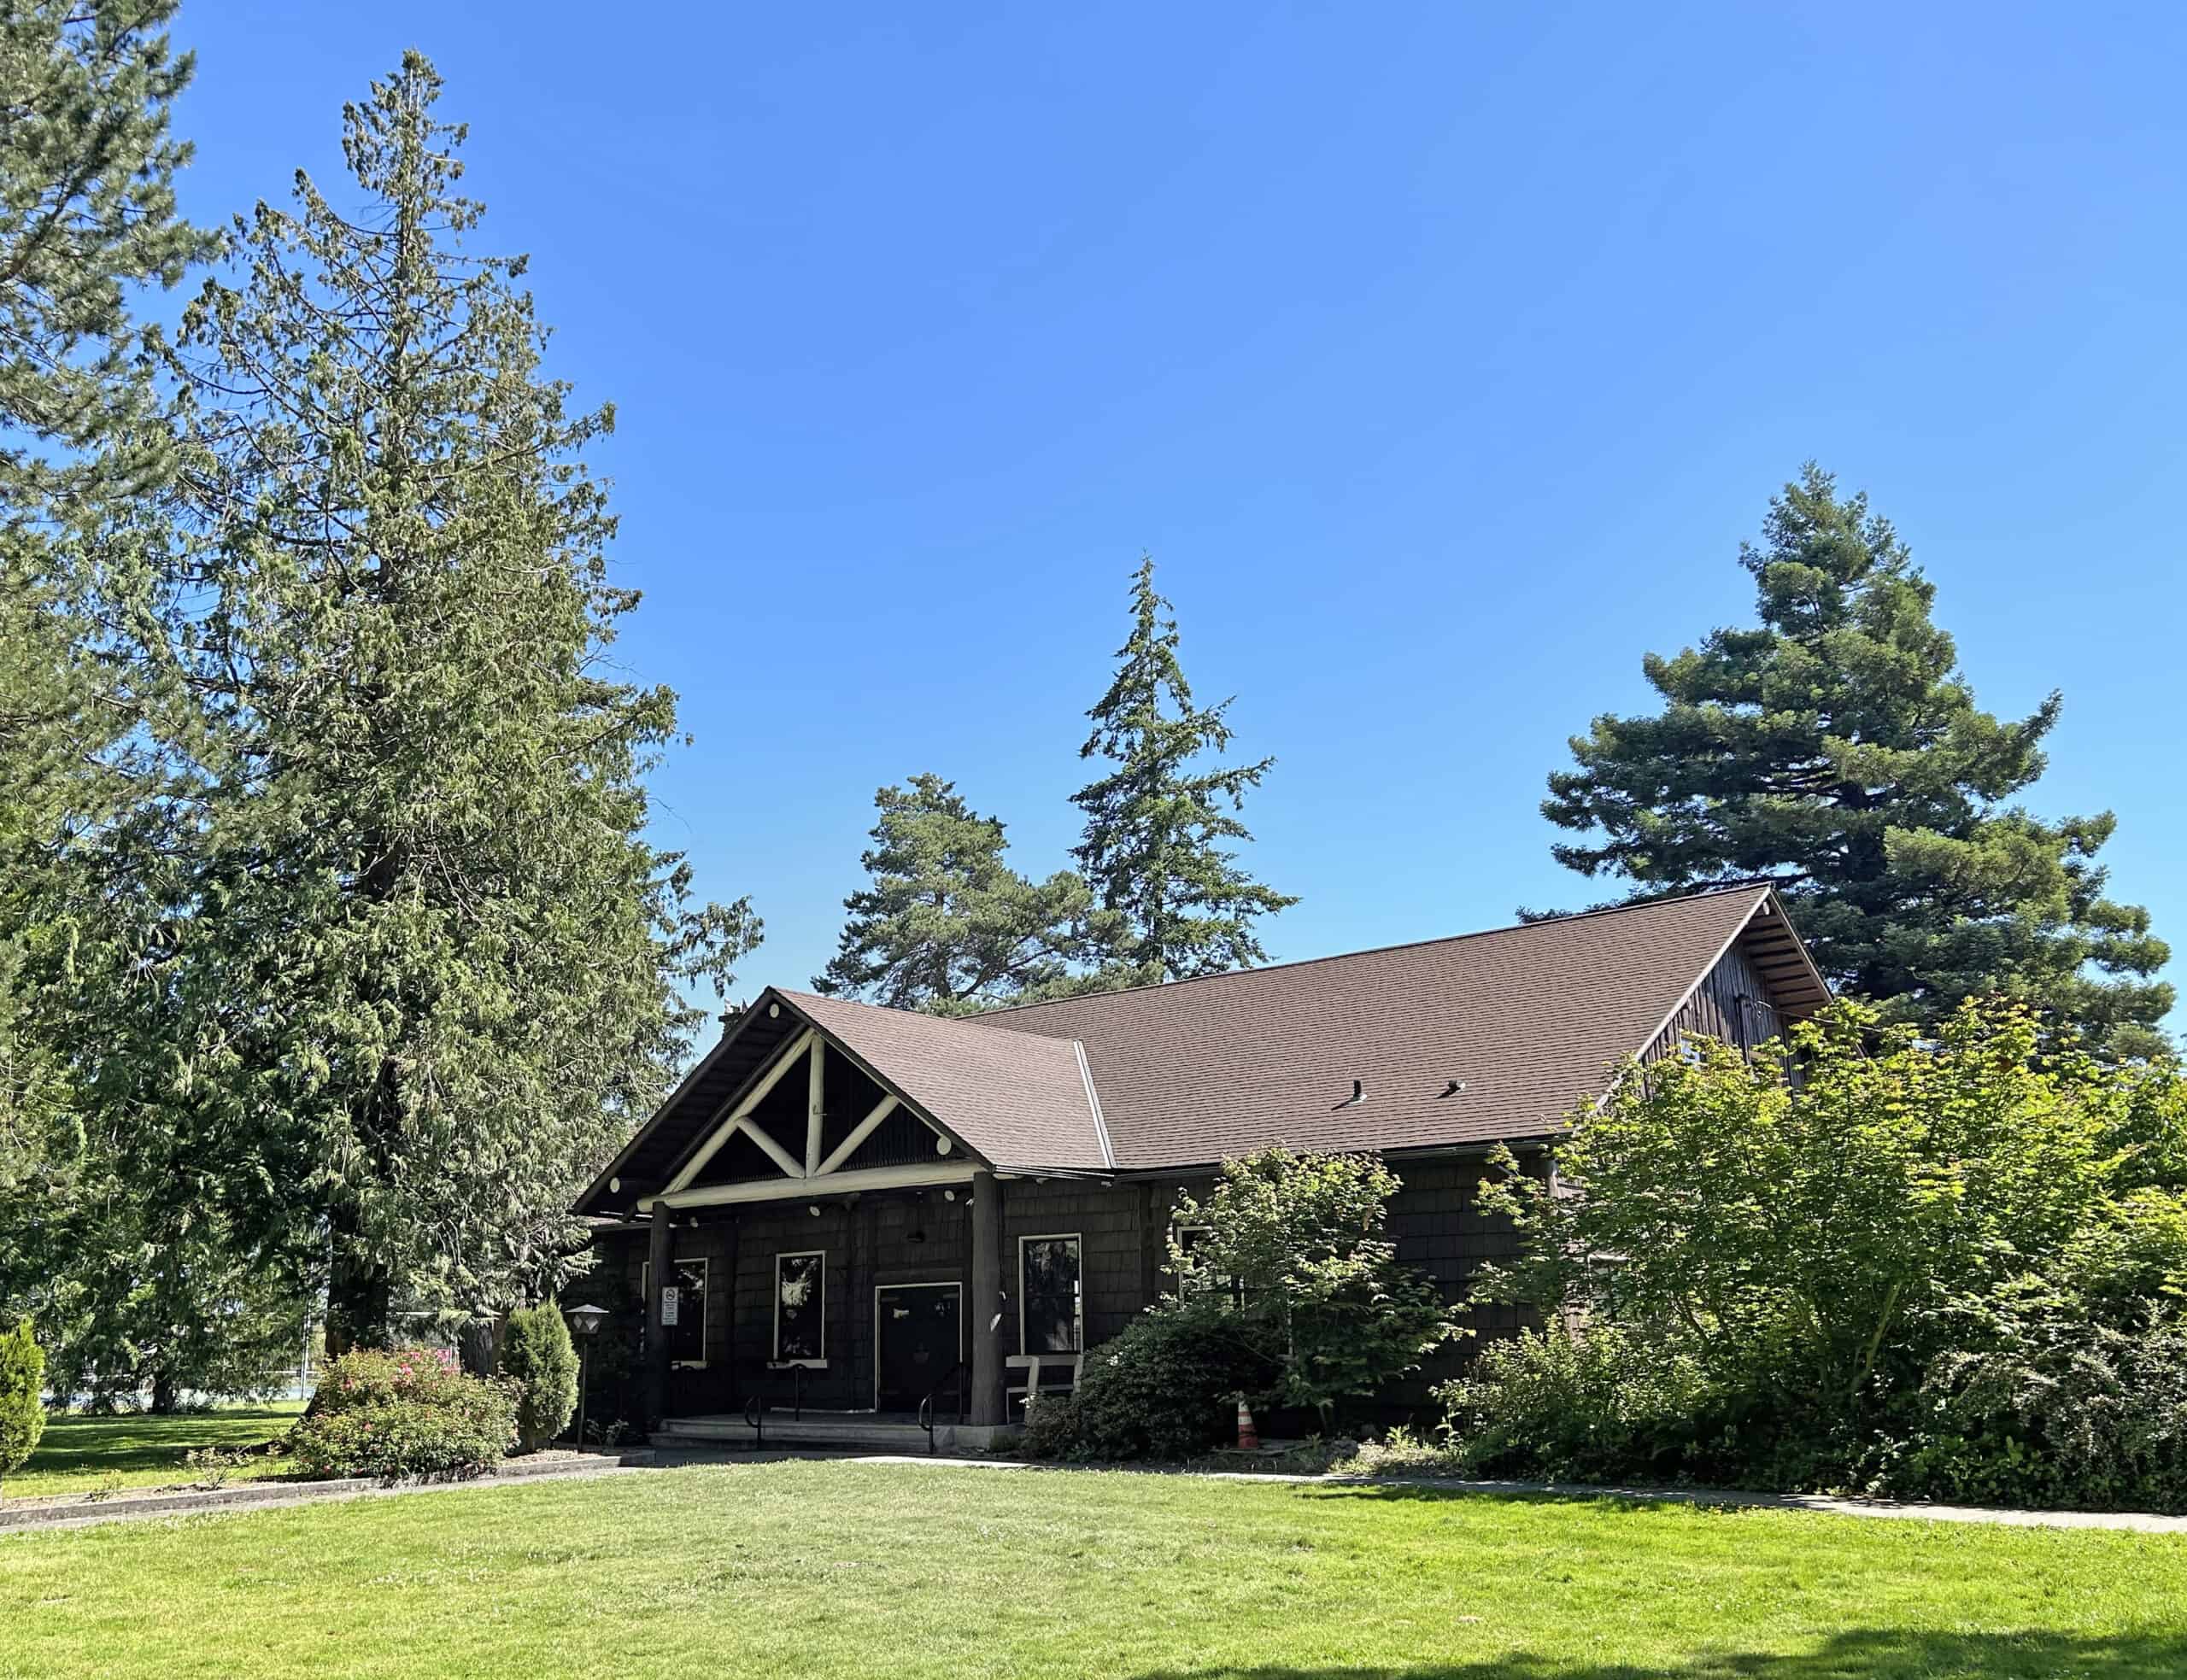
164,1394
479,1345
359,1307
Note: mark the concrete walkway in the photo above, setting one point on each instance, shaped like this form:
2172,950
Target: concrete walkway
1829,1504
39,1513
80,1511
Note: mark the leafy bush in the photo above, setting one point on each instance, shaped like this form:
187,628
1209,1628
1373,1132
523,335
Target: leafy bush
407,1412
1167,1388
22,1403
539,1356
1298,1245
2065,1412
1939,1267
1600,1406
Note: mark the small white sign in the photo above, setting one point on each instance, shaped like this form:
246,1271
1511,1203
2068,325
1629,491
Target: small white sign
668,1300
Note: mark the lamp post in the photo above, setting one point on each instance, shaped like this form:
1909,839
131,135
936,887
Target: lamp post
585,1322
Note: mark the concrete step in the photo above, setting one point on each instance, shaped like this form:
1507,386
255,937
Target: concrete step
784,1430
851,1432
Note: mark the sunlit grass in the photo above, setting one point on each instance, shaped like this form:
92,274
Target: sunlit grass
841,1569
83,1455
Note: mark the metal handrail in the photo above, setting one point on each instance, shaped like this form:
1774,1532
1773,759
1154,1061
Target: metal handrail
755,1416
956,1376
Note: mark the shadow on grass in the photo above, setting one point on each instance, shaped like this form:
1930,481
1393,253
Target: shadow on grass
1857,1655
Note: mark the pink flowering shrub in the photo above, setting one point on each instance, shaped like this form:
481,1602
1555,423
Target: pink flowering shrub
403,1411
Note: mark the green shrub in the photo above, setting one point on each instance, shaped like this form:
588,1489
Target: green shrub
22,1403
1599,1406
539,1356
404,1411
2064,1412
1300,1241
1167,1388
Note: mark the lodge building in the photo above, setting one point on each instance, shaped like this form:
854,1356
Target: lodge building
862,1224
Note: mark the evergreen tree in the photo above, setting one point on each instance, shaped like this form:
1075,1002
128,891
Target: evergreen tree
87,216
946,925
407,967
1836,747
1155,824
87,213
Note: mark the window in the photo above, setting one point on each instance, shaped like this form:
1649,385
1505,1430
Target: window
686,1337
1189,1237
1049,1317
801,1307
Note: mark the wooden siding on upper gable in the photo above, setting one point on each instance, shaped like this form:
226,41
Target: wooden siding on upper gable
1733,1004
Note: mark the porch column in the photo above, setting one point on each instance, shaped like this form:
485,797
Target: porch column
729,1309
987,1305
657,1332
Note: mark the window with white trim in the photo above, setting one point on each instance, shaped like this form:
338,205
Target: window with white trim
801,1307
1050,1318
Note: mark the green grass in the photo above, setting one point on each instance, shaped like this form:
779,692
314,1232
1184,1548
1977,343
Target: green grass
83,1455
843,1569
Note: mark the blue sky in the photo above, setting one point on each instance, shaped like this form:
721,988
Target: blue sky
1440,356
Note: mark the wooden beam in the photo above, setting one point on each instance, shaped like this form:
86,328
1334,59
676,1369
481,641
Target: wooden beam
859,1134
728,1118
835,1183
816,1085
781,1156
657,1332
986,1302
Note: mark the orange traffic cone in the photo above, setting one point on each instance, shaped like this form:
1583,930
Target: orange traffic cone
1249,1438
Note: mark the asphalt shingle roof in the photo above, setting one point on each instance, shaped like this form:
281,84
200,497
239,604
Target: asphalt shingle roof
1531,1020
1020,1099
1456,1041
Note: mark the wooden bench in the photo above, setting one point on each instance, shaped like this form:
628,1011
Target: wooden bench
1030,1364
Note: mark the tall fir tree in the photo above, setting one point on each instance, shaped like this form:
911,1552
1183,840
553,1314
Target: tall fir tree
1155,824
1836,747
946,925
410,967
87,218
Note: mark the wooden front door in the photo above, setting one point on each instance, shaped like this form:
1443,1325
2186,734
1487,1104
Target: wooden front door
919,1340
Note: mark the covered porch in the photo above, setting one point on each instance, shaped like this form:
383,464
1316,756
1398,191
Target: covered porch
827,1258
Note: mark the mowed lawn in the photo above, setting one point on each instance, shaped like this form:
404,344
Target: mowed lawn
82,1454
843,1568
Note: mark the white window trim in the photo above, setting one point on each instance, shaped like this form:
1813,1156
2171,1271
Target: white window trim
706,1305
1077,1293
962,1329
819,1363
1226,1287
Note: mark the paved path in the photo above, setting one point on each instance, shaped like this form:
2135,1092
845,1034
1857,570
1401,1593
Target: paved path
80,1511
1901,1510
262,1496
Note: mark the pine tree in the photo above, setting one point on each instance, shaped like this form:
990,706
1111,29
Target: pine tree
946,925
410,967
1155,824
1836,747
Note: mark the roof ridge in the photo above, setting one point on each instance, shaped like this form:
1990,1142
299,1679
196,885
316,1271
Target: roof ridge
1368,950
980,1021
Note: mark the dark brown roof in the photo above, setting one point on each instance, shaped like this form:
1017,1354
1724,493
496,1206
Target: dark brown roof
1016,1100
1531,1020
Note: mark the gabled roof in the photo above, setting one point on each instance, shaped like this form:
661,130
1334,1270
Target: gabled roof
1453,1042
1015,1099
